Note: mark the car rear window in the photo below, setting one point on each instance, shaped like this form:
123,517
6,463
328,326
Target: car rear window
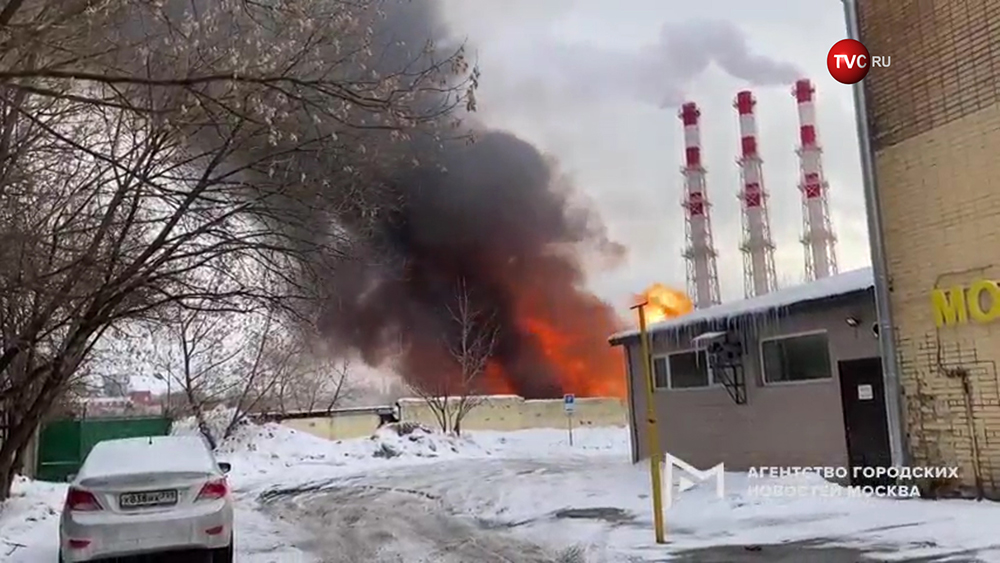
160,454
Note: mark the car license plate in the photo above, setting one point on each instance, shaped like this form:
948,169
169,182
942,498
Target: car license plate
147,498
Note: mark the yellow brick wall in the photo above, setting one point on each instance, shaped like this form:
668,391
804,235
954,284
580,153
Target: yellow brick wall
942,228
511,412
338,426
499,413
935,124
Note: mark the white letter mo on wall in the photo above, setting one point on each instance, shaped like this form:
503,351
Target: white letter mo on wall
688,476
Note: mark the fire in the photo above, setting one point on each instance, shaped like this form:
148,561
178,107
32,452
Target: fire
585,366
564,348
664,303
496,381
570,340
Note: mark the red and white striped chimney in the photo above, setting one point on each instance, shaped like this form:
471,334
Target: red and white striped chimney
758,248
818,237
702,274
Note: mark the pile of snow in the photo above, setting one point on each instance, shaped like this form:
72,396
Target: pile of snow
265,453
405,439
29,519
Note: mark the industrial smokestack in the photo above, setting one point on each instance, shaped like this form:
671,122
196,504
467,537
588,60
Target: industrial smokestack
758,248
818,237
702,273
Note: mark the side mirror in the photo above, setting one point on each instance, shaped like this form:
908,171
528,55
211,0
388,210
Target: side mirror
225,466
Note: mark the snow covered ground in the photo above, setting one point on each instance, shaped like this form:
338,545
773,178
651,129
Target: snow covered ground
523,496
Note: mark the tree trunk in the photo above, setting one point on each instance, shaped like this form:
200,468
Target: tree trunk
22,429
205,430
199,416
18,437
203,427
17,467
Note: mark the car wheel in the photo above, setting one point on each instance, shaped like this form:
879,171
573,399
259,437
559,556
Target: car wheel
223,554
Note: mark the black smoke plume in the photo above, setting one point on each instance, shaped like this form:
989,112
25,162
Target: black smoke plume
495,215
492,215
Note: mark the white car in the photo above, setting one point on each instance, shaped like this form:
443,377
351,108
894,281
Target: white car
138,496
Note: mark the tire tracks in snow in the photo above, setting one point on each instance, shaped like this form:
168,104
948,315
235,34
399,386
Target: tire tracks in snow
350,520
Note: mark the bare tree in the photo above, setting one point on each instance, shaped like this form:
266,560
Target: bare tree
316,385
470,341
271,359
195,352
246,361
153,154
224,359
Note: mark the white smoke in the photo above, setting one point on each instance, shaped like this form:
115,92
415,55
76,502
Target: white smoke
658,73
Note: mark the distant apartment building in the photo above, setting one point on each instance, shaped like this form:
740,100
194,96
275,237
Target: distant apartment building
934,117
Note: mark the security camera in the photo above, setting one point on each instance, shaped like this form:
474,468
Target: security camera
875,329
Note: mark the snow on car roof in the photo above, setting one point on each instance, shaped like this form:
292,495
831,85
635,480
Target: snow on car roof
156,454
832,286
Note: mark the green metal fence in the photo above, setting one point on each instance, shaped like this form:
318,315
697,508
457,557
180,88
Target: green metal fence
63,444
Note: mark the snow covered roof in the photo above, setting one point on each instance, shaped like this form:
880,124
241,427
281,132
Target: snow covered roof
841,284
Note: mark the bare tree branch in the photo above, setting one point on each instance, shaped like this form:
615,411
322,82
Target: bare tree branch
178,163
470,341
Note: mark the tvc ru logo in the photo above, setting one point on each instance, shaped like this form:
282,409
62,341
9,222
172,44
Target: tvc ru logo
849,61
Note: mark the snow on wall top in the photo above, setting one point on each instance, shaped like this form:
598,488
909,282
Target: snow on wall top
458,397
840,284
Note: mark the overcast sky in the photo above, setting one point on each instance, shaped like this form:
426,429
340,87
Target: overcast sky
594,84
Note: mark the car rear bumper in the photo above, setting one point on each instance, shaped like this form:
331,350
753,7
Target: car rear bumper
86,537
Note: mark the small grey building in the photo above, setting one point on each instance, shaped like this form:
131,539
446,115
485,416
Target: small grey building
791,378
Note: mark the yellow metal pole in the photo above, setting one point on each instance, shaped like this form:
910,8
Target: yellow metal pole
655,455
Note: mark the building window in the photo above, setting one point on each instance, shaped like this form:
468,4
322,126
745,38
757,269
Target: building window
796,358
683,370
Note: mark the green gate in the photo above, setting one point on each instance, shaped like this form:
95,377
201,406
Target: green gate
63,444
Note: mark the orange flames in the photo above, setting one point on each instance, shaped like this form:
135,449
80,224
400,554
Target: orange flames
664,303
571,339
586,364
567,333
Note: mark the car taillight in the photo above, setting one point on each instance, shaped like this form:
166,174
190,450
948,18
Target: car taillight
214,490
79,500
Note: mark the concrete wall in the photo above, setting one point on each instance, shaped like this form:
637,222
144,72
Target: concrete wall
510,412
936,127
339,426
786,424
500,413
